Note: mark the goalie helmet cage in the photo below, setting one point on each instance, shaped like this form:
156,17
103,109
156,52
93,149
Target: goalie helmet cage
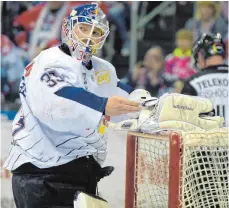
177,170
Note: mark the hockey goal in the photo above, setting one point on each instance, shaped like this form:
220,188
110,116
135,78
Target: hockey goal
177,170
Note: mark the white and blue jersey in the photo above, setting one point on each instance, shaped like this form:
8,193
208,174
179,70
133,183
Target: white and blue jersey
62,108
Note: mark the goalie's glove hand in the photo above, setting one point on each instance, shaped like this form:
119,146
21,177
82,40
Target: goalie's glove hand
183,112
117,106
146,101
144,98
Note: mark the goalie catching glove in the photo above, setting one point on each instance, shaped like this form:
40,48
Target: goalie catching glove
173,111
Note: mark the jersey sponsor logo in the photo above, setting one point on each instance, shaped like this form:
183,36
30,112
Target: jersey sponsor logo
212,83
183,107
103,77
127,125
214,93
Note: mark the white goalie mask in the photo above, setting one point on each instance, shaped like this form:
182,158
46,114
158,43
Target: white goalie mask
85,31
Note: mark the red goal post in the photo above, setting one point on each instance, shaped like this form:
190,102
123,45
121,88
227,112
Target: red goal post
177,170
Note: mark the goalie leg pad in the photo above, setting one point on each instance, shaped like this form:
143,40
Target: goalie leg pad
84,200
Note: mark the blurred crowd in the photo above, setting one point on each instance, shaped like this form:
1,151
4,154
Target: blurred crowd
30,27
158,72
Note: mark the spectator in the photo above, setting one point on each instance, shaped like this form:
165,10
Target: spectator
178,64
118,13
11,9
224,10
42,24
12,68
184,11
149,74
40,27
207,20
5,87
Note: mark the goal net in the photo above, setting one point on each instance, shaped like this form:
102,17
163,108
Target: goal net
180,169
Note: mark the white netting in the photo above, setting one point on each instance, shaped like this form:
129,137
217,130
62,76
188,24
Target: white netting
203,171
152,173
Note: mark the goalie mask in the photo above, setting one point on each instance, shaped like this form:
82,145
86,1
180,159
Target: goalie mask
85,31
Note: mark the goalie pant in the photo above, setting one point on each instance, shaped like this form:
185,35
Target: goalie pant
55,187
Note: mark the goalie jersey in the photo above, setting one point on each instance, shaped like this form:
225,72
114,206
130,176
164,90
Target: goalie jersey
63,104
